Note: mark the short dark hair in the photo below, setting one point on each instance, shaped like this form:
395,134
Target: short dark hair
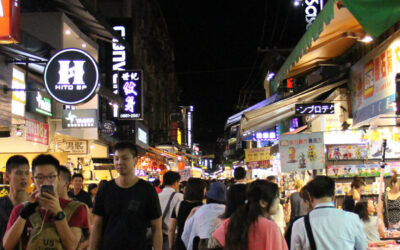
194,189
45,159
126,145
15,161
171,177
271,178
65,173
361,209
239,173
92,186
321,186
304,194
77,175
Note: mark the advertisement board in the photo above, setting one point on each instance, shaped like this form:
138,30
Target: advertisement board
347,152
37,131
258,157
79,118
373,82
302,151
131,90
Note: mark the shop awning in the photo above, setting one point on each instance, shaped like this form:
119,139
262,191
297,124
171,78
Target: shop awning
333,32
270,115
236,117
375,16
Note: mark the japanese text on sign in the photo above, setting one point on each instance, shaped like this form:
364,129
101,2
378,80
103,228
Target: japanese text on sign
315,109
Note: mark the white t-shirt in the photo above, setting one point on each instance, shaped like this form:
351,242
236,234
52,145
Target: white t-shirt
371,229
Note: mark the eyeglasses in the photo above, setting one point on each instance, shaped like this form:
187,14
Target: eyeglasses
43,177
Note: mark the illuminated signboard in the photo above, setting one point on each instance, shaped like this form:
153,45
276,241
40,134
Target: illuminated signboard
71,76
141,135
269,135
131,90
18,96
9,21
39,102
312,8
79,118
315,109
117,54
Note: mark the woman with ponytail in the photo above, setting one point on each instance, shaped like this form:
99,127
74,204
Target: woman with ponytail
250,227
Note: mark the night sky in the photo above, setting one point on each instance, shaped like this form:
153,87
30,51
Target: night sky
215,45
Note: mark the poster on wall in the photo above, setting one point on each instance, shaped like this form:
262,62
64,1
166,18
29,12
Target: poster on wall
302,152
375,138
347,152
362,170
373,82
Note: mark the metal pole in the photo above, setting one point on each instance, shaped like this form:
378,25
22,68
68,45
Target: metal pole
381,185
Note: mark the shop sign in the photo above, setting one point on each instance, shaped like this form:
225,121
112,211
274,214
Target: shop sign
71,76
19,95
311,10
37,131
131,90
39,102
185,174
257,154
363,170
347,152
79,118
73,146
141,135
140,172
373,81
108,128
302,151
117,58
315,109
9,21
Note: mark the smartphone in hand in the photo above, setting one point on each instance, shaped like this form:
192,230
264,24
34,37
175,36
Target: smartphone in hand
47,188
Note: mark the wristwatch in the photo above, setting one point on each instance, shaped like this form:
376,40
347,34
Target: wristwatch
60,215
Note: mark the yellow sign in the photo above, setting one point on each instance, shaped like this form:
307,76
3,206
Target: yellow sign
257,154
179,137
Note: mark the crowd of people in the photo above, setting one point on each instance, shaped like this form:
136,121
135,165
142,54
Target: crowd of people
130,213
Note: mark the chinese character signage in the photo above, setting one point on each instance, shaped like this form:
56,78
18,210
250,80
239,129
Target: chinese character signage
71,76
79,118
18,96
37,131
258,157
9,21
73,147
347,152
315,109
373,82
302,151
131,90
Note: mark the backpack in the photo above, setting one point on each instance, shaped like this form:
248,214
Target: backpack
44,234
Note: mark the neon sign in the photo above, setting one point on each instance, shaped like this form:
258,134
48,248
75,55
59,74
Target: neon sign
315,109
131,89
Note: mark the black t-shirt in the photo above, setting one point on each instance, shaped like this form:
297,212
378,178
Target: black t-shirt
82,196
349,203
126,213
184,210
5,210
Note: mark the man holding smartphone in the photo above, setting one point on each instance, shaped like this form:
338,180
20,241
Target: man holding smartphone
46,221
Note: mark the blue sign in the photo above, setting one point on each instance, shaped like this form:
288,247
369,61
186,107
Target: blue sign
131,90
382,106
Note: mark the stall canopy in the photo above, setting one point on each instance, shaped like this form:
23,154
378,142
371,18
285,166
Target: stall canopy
375,16
333,32
266,117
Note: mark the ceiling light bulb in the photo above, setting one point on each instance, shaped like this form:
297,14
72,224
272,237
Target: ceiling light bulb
83,45
68,32
296,3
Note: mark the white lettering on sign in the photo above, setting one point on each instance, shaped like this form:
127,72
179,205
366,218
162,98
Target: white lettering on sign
312,10
43,103
1,9
65,72
118,56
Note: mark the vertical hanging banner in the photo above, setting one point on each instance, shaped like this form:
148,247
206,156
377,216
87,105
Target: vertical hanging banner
131,90
9,21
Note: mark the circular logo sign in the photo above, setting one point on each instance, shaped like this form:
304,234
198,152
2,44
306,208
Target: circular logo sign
71,76
108,128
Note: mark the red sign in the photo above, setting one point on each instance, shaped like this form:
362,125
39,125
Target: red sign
9,21
37,131
289,83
